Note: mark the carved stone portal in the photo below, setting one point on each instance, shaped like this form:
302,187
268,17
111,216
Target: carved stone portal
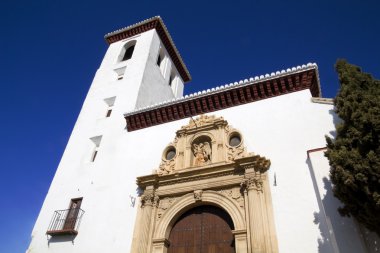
207,164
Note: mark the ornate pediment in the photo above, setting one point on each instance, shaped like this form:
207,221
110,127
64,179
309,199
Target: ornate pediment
202,120
205,141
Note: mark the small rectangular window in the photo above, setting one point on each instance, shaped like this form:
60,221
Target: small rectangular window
96,141
109,113
109,102
171,80
159,60
94,154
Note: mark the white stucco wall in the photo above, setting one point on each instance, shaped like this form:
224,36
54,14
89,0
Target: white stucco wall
281,128
105,184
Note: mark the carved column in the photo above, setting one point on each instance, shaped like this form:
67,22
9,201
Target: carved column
160,246
180,145
144,227
247,218
253,186
153,216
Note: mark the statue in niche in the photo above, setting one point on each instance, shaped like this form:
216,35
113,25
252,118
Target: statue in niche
202,153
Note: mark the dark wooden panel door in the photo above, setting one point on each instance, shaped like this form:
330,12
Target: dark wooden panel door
72,214
204,229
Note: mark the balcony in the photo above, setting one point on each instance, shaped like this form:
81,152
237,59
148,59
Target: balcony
65,222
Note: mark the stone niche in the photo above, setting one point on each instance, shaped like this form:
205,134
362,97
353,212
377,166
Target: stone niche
207,164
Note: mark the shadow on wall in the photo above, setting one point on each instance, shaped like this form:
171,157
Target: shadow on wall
337,234
61,238
371,239
336,121
343,232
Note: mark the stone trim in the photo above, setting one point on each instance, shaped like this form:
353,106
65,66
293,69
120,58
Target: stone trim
315,150
327,101
220,99
187,202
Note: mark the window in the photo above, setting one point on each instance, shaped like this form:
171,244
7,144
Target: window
171,79
96,141
128,53
159,60
120,72
109,111
127,50
72,214
67,221
94,154
109,102
160,57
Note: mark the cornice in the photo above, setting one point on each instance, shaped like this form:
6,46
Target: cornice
146,25
229,95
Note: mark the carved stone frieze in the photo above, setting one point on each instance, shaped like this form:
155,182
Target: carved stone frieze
235,194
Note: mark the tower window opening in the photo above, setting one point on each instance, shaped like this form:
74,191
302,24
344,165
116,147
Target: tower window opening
96,141
159,60
171,80
128,53
162,61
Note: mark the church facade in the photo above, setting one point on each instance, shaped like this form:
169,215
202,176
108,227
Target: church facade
237,168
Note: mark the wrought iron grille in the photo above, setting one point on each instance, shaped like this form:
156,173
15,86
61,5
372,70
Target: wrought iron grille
65,221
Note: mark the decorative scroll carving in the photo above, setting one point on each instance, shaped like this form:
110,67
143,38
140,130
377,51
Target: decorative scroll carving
202,153
255,183
166,167
156,200
201,121
149,199
236,152
198,195
235,194
165,203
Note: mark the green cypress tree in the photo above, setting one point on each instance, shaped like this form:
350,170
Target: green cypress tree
354,154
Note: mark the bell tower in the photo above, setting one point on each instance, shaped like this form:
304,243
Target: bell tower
141,67
143,64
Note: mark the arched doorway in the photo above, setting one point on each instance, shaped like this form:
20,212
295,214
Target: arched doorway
203,229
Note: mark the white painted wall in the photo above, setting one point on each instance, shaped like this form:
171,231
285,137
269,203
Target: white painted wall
105,184
282,128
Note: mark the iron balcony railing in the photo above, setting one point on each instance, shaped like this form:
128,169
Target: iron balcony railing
65,222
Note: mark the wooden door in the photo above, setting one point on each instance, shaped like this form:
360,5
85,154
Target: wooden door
204,229
72,214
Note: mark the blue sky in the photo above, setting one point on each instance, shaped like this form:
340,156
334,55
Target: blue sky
50,51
